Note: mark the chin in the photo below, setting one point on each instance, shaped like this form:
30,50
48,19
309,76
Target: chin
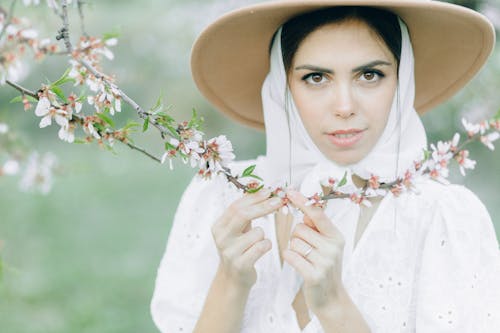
345,159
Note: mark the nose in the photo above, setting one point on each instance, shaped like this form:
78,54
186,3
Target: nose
343,101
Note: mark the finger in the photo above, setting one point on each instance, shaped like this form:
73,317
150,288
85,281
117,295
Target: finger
243,242
315,214
309,235
301,247
244,215
254,252
299,263
236,206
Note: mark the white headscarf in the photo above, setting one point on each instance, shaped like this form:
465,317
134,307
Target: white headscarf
390,158
392,155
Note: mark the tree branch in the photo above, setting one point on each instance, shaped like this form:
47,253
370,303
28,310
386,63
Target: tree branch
80,120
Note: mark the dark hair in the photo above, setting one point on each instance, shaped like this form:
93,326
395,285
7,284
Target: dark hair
384,23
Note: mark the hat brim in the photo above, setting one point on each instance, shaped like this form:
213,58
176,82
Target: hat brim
230,58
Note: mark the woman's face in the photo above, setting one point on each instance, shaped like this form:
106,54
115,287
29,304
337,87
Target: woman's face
343,79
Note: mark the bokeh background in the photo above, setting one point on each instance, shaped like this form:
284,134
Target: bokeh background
83,258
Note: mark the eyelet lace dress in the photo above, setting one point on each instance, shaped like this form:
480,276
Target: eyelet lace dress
427,262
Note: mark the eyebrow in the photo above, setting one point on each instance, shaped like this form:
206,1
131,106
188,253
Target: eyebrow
355,70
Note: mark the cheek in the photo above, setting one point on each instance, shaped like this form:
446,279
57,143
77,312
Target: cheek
380,105
309,108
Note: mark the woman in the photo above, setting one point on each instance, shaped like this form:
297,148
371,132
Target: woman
338,99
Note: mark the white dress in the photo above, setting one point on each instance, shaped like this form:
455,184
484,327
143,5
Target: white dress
436,268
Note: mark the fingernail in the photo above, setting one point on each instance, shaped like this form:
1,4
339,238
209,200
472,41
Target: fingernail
275,201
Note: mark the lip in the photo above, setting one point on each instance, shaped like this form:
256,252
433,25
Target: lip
346,138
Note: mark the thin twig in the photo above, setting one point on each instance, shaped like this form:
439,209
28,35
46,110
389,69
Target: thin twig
9,14
64,31
21,89
80,4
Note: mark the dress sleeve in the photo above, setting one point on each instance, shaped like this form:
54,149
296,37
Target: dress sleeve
458,285
190,260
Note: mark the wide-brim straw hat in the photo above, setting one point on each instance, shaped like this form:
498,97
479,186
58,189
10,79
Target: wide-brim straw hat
230,58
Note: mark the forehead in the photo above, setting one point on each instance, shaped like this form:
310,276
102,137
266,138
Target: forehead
349,40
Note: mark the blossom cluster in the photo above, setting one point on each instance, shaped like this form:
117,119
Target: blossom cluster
209,156
17,36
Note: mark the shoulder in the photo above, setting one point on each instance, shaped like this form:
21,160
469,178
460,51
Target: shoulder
455,208
450,198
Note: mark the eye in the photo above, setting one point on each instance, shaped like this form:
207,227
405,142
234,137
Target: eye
314,78
371,76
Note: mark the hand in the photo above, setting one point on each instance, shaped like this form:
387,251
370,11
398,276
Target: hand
239,245
321,269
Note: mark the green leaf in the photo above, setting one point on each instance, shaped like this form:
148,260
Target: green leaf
343,181
107,119
62,80
169,146
256,177
58,91
19,99
427,154
255,190
80,141
145,125
248,171
111,34
131,124
193,120
497,116
173,131
158,106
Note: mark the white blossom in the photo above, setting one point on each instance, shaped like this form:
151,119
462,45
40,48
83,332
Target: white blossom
472,129
11,167
38,174
464,162
4,128
488,139
67,133
29,33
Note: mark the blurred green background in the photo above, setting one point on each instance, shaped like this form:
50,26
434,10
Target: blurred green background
84,257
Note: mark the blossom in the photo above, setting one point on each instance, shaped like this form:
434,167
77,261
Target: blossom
316,201
488,139
67,133
38,174
88,128
218,154
45,110
75,103
10,168
438,171
464,162
472,129
4,128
